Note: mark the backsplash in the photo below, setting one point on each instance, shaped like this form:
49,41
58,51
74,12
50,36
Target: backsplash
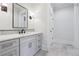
5,32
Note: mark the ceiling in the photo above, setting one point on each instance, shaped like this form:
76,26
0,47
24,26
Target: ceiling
37,6
32,6
57,6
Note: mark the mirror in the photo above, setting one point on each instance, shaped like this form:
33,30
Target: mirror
20,16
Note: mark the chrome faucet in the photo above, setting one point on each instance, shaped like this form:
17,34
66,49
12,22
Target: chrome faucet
22,31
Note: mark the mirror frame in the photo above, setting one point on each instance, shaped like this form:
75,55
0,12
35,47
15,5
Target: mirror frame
13,15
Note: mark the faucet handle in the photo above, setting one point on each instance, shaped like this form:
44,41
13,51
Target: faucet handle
22,31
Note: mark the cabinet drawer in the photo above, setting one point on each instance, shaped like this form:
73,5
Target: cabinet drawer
8,44
11,52
23,40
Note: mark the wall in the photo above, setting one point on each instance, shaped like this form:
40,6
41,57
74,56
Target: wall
40,23
76,25
6,18
64,27
6,21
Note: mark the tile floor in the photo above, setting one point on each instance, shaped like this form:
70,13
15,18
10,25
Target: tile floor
41,53
59,51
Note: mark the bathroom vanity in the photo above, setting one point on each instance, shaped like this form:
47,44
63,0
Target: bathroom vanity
20,44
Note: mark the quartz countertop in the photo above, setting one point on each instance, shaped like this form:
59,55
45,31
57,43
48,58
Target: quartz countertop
13,36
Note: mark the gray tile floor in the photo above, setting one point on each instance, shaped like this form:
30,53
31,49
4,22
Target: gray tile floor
51,53
57,49
41,53
58,52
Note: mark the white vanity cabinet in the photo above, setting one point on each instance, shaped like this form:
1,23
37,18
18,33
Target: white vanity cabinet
9,47
28,46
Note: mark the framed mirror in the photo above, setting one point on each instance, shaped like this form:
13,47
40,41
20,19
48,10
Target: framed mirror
20,16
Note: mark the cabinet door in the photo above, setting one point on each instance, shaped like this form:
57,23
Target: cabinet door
25,48
11,52
28,48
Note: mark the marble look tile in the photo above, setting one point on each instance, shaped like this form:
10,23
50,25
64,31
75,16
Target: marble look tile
8,32
56,52
60,50
63,50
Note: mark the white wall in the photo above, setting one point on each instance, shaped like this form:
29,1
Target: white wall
64,29
6,18
76,25
40,24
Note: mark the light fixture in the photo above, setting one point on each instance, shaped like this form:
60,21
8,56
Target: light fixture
30,17
3,7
